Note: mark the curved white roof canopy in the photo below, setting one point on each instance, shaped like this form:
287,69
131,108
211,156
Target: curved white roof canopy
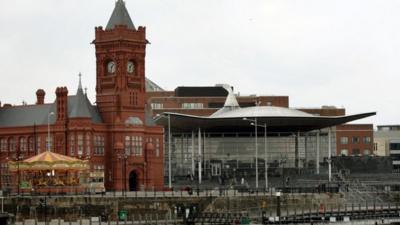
230,118
233,121
261,111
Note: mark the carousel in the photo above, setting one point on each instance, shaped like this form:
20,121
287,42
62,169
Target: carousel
49,172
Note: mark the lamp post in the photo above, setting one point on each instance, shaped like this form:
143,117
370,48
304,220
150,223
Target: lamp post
123,157
282,163
48,129
169,149
278,205
169,153
18,159
254,123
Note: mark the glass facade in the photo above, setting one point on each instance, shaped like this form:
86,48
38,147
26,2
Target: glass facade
234,153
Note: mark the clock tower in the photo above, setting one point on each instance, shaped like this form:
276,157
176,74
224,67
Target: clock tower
120,80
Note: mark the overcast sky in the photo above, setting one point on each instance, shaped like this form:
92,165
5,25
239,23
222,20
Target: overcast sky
339,52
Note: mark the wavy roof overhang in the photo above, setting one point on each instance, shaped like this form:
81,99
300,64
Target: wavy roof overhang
303,123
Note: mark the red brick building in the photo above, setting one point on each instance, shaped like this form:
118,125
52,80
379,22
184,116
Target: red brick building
354,139
117,134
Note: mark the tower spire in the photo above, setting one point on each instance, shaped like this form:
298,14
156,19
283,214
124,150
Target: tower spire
80,84
120,16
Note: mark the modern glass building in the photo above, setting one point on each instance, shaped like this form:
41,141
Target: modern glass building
236,142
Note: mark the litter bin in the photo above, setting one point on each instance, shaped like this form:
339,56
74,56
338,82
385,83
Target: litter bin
122,215
245,220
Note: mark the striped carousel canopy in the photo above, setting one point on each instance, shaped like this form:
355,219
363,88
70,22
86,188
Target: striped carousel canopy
49,161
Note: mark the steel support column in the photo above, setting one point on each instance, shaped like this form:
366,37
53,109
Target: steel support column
199,139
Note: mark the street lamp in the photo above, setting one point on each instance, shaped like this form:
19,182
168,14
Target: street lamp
169,149
254,123
282,162
169,153
48,129
18,159
123,157
278,205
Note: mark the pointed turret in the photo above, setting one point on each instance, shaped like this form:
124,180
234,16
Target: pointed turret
120,16
80,90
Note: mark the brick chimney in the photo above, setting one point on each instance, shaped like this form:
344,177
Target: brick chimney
40,96
62,103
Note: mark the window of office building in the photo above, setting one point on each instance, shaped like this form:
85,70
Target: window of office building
192,105
356,140
367,152
344,140
157,105
394,145
367,140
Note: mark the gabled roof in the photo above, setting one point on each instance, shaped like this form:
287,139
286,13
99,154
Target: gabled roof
79,106
120,16
28,115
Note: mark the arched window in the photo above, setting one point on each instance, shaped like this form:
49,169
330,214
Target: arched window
128,145
88,149
31,144
22,144
11,144
38,144
3,144
80,144
72,144
49,143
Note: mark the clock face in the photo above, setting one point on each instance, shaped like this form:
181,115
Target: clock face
111,67
130,67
